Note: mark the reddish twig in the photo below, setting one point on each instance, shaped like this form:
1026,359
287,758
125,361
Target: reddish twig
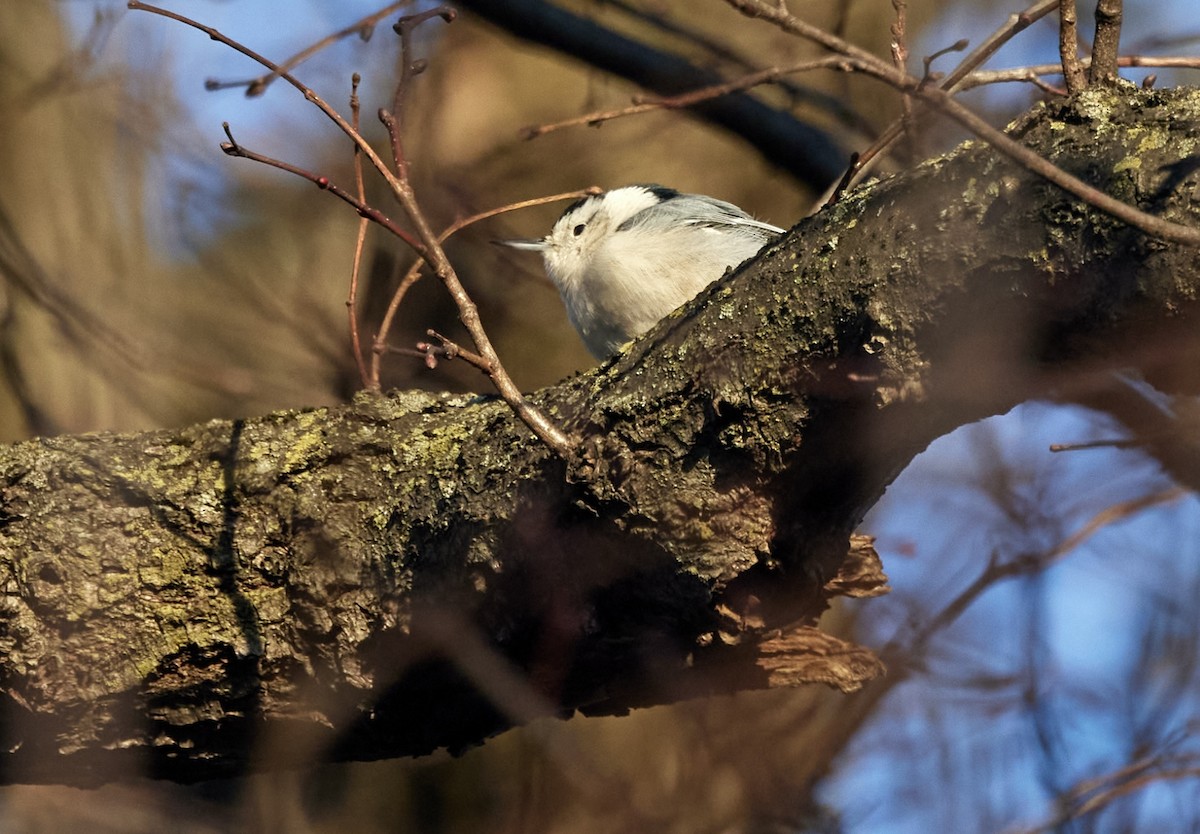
309,94
364,28
448,350
232,148
428,245
942,100
414,272
642,105
1015,24
468,313
717,50
410,68
360,240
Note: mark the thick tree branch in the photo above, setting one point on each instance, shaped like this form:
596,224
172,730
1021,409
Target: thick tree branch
413,572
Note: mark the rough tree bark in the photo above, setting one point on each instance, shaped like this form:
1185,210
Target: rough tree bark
414,571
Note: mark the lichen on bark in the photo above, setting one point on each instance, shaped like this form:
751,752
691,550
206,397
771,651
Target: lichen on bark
169,595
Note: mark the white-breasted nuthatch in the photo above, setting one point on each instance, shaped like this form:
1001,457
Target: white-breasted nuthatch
624,259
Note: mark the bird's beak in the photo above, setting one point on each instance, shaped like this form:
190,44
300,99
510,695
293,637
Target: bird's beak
537,245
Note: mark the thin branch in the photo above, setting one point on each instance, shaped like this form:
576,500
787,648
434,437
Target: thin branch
835,105
468,313
410,68
996,571
309,94
927,61
1148,223
806,152
1097,444
1107,42
942,100
233,148
1114,514
364,28
1013,25
899,47
413,274
1068,47
1031,74
360,240
448,350
683,100
429,247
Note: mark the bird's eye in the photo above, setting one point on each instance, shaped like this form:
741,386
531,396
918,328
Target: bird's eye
579,230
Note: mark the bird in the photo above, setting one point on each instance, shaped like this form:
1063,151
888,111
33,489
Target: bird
624,259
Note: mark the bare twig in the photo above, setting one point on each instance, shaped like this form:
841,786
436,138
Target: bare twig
899,47
435,256
393,119
1107,42
943,100
448,350
683,100
1068,47
1030,74
927,61
899,43
363,27
899,653
727,53
1096,444
359,241
996,570
428,245
1148,223
308,93
1014,24
1114,514
413,274
232,148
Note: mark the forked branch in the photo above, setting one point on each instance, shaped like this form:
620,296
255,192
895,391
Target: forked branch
943,101
425,242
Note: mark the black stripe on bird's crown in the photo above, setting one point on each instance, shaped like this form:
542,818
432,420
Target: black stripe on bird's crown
662,192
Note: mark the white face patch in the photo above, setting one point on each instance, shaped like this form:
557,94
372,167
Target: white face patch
576,238
624,259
